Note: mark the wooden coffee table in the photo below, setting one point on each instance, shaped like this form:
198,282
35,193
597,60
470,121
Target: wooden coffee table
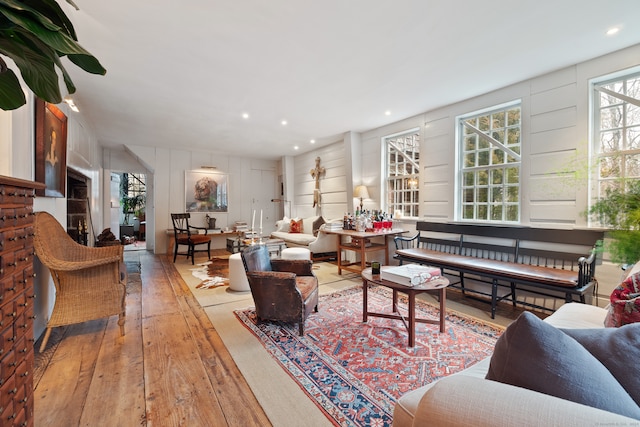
440,284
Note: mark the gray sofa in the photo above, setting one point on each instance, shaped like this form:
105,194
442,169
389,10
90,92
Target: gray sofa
467,398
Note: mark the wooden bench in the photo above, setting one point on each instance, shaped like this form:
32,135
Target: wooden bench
541,259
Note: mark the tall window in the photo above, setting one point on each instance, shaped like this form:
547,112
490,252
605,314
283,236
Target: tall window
403,172
617,130
489,145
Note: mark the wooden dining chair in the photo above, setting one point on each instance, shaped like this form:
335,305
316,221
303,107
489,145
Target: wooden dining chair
188,235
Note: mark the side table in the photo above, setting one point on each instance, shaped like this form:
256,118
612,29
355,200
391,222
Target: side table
439,284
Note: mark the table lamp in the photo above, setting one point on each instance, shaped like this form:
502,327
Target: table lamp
361,192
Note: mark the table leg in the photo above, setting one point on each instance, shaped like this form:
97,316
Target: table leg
412,319
443,308
339,254
363,256
365,306
395,301
386,250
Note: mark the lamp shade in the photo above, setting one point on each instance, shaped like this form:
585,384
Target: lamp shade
361,192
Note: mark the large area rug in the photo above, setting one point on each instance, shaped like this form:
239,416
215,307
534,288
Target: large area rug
353,371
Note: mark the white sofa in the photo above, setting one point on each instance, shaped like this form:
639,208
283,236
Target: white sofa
321,245
467,398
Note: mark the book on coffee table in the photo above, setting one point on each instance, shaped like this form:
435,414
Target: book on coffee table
410,274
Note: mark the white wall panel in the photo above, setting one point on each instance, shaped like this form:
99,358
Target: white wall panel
553,188
554,80
556,119
552,163
553,140
553,99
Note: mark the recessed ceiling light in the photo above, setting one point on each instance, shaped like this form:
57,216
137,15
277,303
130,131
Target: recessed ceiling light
245,115
313,141
612,31
295,147
284,122
387,113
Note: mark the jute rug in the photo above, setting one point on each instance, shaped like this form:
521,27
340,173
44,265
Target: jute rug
353,371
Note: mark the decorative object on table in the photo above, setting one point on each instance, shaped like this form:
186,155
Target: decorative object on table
210,222
89,284
410,274
51,149
361,193
316,173
353,385
375,267
206,191
188,235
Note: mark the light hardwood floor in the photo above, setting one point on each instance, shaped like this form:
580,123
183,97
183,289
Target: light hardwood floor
170,369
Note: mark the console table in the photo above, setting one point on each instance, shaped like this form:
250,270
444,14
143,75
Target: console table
360,242
210,232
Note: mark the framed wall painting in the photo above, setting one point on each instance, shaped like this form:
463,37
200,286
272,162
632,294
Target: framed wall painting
206,191
51,149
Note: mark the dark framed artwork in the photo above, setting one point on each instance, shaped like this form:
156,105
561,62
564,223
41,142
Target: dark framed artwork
206,191
51,149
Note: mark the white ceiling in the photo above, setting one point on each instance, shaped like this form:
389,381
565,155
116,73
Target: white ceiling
181,74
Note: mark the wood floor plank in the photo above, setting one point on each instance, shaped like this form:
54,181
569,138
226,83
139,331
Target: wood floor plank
229,385
60,396
116,395
175,391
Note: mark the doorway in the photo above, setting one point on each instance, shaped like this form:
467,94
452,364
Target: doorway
132,196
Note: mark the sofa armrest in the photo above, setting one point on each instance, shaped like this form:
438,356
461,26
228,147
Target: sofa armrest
463,400
324,243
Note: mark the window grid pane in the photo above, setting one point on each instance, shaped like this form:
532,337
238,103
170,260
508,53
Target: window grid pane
490,176
403,161
617,132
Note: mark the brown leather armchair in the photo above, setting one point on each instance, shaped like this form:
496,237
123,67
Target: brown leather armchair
283,290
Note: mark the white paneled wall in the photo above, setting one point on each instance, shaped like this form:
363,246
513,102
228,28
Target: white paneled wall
332,185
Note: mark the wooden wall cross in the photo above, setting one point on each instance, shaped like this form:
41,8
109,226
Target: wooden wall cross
316,173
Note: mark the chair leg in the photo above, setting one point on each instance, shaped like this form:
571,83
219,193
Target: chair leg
209,249
121,320
47,334
301,328
192,252
175,252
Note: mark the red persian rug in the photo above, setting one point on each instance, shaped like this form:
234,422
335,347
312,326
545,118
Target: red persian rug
355,371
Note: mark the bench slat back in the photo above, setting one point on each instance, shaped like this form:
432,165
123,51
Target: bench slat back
557,248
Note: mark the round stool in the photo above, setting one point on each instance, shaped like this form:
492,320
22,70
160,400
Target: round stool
295,253
237,276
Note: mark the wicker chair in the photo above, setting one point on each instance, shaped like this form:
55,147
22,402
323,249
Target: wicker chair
90,282
283,290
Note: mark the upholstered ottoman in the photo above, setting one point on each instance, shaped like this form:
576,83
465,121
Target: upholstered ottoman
295,253
237,276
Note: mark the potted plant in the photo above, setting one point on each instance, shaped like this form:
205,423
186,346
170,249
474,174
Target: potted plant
131,204
619,210
35,34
